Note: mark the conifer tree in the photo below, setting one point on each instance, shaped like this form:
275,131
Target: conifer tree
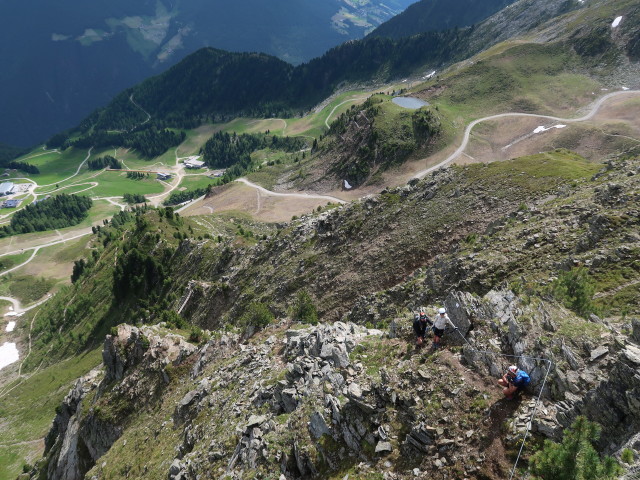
575,458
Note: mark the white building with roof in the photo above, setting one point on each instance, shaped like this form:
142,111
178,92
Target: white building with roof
193,162
6,188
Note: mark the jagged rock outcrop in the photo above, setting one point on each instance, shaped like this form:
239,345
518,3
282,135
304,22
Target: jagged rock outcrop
307,400
615,400
602,383
63,442
94,415
310,401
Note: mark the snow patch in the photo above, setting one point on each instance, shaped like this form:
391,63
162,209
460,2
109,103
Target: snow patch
8,354
426,77
616,22
11,326
625,88
542,128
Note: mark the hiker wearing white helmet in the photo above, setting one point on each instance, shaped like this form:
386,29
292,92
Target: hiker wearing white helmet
439,324
514,381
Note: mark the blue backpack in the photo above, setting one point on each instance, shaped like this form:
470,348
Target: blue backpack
522,379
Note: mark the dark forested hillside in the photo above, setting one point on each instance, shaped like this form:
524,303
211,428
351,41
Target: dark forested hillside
437,15
149,141
223,150
9,152
212,84
208,81
104,162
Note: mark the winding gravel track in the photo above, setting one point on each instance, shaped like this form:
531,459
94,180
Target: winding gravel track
326,120
467,133
145,112
35,249
74,175
17,306
294,195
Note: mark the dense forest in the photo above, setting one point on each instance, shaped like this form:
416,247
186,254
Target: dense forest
137,274
233,151
104,162
211,84
132,198
176,198
223,149
148,140
434,15
22,166
9,152
58,140
56,212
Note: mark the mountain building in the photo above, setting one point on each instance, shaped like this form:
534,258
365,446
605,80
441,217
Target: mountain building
6,188
11,203
193,162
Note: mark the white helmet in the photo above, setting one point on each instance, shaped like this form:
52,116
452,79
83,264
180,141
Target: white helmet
442,310
513,369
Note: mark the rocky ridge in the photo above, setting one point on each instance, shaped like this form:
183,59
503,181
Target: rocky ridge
352,396
469,228
96,411
301,401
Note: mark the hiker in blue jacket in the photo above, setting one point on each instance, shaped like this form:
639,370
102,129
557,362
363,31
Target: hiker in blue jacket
514,381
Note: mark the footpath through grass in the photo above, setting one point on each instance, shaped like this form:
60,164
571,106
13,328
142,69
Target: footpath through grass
10,261
55,167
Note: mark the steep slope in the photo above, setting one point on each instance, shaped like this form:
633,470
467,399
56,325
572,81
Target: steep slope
9,152
370,139
556,69
488,242
533,257
434,15
331,400
346,253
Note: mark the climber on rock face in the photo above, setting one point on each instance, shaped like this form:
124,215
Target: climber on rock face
420,324
439,324
514,381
